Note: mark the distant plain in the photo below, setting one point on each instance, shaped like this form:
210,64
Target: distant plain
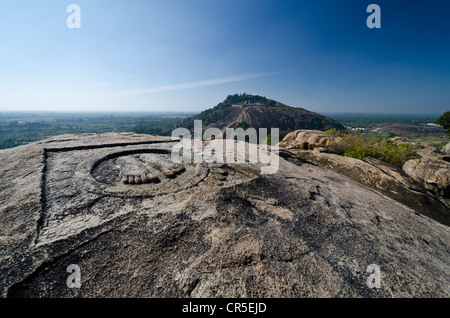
18,128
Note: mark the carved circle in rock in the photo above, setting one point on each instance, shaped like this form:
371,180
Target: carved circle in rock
142,172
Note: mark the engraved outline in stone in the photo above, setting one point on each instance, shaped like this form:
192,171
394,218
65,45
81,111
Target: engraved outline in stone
84,178
45,154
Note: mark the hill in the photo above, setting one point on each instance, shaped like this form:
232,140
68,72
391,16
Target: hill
244,110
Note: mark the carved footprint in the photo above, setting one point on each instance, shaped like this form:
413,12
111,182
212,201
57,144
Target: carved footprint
151,177
140,179
172,172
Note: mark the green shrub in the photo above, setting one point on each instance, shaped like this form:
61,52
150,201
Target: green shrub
359,152
360,147
267,141
333,132
395,154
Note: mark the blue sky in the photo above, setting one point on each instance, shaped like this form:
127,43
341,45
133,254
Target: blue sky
188,55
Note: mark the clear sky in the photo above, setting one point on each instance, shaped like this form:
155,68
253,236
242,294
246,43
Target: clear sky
188,55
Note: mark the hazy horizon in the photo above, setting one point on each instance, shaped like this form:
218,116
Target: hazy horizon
186,56
105,112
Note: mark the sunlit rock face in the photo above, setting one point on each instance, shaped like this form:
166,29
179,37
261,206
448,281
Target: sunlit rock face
139,225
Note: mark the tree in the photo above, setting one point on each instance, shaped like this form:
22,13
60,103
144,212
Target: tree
444,121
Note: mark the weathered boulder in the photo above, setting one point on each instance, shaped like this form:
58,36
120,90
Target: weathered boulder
305,139
428,153
432,173
446,149
383,177
202,230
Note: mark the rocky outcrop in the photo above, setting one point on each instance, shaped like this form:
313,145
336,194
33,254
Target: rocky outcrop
446,149
431,154
306,139
385,178
432,173
202,230
432,170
